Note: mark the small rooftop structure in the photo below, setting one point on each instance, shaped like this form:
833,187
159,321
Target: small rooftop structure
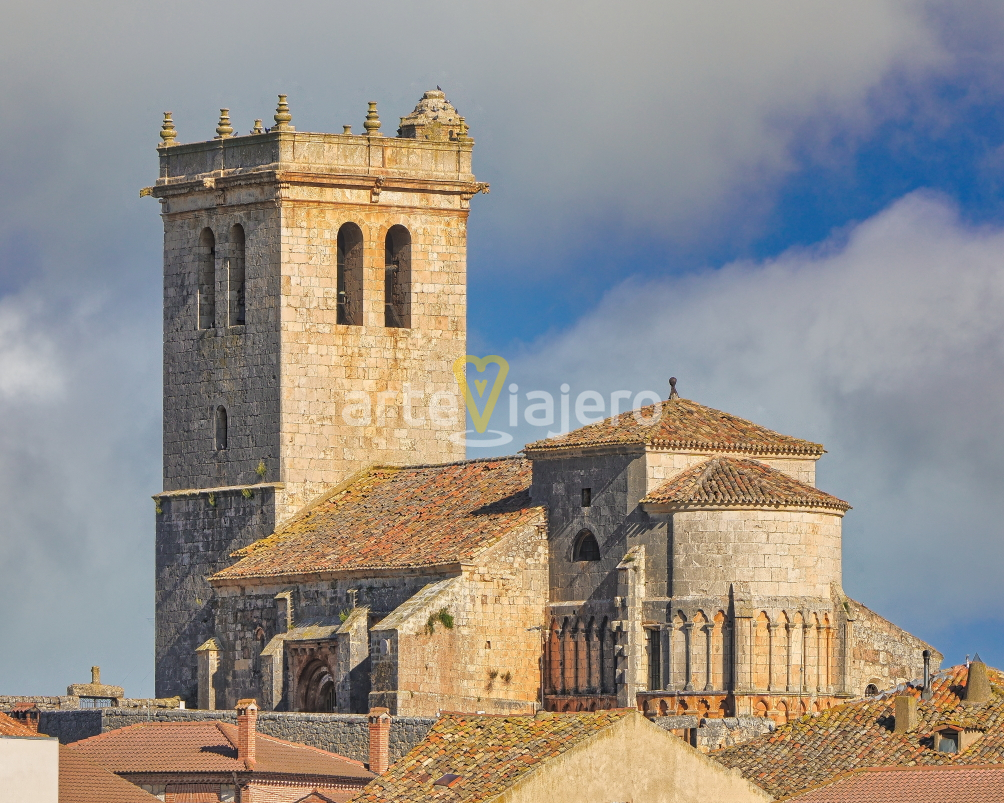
434,118
95,694
945,730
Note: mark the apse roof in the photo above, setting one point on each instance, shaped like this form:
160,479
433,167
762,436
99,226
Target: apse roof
736,481
680,424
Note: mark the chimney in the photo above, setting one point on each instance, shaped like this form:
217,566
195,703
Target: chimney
379,740
906,713
927,693
96,675
977,684
247,731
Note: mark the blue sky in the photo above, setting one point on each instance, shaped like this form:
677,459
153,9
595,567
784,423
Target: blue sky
795,208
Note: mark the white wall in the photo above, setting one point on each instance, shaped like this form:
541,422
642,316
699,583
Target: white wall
29,769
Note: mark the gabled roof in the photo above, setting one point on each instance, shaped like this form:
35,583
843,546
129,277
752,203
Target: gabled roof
817,747
733,481
397,518
181,747
464,758
680,424
911,785
11,727
83,781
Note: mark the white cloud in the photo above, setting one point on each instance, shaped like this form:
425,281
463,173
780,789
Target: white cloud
29,367
886,344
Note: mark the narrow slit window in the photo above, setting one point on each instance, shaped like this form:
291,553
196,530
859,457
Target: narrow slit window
221,428
397,278
235,277
207,279
350,275
586,547
587,497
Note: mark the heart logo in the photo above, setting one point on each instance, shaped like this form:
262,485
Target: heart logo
480,418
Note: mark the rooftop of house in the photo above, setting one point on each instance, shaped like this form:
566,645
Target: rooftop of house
817,747
466,758
739,481
81,780
208,747
960,784
680,424
397,518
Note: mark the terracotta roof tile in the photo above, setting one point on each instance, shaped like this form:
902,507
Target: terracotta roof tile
817,747
680,424
958,784
207,747
83,781
487,753
11,727
389,517
739,481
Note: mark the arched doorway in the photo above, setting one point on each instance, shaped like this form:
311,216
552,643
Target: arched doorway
317,688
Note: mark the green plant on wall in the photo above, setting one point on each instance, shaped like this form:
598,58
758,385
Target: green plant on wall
212,500
442,617
247,493
343,615
260,471
157,507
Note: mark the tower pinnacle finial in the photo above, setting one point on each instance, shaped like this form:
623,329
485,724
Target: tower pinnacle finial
168,133
258,128
282,116
672,388
372,123
223,128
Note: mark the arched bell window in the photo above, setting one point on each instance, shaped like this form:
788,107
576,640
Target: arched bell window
397,278
350,275
586,547
207,279
235,276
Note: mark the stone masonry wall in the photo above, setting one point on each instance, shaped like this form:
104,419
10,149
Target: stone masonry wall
345,734
883,653
246,620
195,537
490,659
662,466
774,553
343,386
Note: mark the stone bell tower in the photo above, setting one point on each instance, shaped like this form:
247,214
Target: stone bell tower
314,302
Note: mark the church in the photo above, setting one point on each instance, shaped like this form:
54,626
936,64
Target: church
322,544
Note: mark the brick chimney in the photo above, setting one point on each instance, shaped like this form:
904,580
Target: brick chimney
247,731
379,740
96,675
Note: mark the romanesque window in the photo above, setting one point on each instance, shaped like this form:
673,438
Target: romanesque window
397,278
206,253
235,277
221,428
871,690
350,275
586,547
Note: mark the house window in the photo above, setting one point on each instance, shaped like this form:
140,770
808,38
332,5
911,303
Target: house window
350,275
397,278
96,702
947,741
235,276
587,497
221,428
586,547
206,253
